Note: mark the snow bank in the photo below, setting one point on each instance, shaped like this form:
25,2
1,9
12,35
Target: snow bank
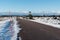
9,29
16,29
48,21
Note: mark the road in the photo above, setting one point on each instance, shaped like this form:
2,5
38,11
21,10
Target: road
37,31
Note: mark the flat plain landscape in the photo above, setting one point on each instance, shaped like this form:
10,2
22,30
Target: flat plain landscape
37,31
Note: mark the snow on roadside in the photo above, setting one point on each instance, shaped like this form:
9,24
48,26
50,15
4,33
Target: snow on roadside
13,29
48,21
16,28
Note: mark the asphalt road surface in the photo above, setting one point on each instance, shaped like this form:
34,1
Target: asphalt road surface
37,31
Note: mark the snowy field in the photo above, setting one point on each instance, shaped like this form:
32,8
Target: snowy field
48,21
8,28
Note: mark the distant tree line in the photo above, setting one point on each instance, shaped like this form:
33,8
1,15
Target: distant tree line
31,16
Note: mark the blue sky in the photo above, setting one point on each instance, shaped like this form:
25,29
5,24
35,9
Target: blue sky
29,5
